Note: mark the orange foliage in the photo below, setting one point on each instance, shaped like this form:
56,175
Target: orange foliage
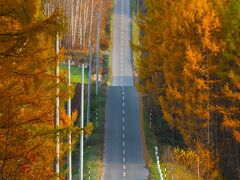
190,63
27,90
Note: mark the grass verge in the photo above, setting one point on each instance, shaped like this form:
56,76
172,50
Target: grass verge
135,41
94,147
110,32
76,73
150,142
169,169
135,35
133,5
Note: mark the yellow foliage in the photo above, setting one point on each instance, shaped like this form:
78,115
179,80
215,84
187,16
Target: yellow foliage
89,129
190,63
199,160
27,90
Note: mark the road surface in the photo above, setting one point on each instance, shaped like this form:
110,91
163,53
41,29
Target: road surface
123,147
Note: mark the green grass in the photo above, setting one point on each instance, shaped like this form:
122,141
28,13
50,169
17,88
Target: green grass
76,73
94,148
107,64
133,5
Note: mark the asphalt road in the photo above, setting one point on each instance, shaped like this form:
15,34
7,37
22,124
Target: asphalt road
123,147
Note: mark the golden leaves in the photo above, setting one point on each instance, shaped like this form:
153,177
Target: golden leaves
230,93
197,160
67,120
186,156
210,24
193,55
193,46
231,122
88,129
236,134
27,91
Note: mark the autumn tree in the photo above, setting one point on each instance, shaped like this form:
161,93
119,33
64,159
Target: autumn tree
231,61
189,62
27,90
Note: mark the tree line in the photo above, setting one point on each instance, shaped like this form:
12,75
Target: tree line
28,82
189,63
81,18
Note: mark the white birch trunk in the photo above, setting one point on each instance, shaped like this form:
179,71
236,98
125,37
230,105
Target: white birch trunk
91,23
85,23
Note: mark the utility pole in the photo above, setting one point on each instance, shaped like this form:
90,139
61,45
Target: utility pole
81,127
89,84
57,114
70,133
97,50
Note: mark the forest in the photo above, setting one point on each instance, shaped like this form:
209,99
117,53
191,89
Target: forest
189,65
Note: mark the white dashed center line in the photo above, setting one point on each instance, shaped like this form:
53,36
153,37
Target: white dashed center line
123,119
